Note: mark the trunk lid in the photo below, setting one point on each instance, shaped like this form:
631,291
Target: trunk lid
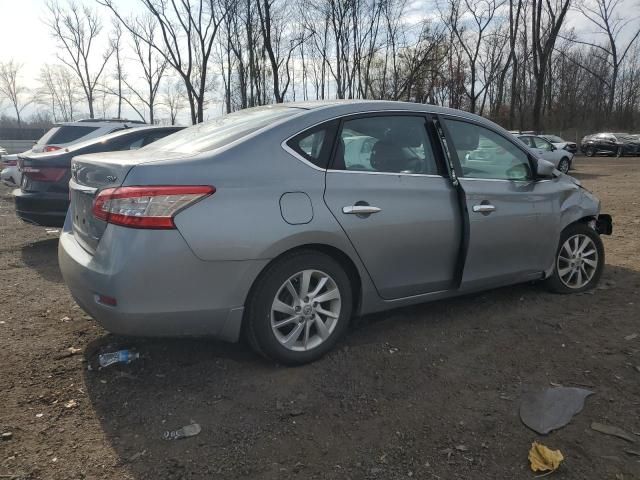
92,173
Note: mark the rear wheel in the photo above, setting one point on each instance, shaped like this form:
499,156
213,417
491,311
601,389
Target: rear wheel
579,260
590,151
563,166
619,152
299,308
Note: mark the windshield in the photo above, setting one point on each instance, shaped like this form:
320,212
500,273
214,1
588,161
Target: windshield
553,138
223,130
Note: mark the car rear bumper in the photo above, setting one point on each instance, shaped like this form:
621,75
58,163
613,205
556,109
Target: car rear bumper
44,209
161,287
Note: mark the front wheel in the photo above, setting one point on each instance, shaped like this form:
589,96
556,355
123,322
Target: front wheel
590,151
619,152
299,308
579,260
563,166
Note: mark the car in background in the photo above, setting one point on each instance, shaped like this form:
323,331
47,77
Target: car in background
10,173
266,222
560,158
559,142
613,144
67,133
43,196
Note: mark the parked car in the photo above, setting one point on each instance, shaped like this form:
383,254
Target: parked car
263,222
64,134
560,143
43,196
560,158
10,173
618,144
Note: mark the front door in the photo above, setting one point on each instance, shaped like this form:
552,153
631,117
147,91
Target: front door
389,193
506,240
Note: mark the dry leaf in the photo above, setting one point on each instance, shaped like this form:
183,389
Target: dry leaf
543,459
613,431
71,404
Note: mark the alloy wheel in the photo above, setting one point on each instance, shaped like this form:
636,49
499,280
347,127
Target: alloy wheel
305,310
577,261
564,165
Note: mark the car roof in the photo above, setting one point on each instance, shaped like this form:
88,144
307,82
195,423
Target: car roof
347,107
91,122
102,138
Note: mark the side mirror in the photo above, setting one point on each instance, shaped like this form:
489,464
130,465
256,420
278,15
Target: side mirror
553,148
544,169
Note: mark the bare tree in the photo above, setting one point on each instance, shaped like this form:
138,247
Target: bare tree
12,89
77,28
188,31
274,24
606,16
116,45
174,99
547,17
153,65
60,89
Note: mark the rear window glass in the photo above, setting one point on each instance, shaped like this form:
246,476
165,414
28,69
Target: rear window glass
67,134
223,130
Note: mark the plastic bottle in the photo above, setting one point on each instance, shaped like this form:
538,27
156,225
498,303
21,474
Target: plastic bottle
121,356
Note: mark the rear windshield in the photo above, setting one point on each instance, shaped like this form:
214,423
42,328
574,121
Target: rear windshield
553,138
65,134
223,130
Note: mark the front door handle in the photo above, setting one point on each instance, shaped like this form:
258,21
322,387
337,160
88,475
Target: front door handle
484,208
360,210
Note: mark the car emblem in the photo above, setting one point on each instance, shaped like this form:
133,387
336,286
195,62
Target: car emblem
111,178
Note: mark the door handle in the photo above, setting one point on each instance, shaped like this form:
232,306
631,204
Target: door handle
484,208
360,210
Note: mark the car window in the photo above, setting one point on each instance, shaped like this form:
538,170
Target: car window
69,133
542,144
485,154
394,144
554,138
223,130
314,144
527,141
134,145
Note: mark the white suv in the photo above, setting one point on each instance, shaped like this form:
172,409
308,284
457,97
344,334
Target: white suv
64,134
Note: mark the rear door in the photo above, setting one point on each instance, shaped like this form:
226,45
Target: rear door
506,242
387,189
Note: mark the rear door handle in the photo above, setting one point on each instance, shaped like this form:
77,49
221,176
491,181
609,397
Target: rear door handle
360,210
484,208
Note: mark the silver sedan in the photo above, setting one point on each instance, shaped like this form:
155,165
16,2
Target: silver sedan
280,223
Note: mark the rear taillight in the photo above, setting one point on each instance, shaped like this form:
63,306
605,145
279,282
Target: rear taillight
44,174
148,206
51,148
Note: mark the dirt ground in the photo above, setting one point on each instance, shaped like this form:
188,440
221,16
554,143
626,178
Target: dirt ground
429,392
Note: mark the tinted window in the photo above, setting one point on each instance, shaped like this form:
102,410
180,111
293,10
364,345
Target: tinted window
314,144
223,130
395,144
70,133
485,154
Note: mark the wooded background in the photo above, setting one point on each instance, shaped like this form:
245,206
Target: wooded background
515,62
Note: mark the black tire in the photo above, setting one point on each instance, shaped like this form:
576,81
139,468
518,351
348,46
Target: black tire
590,151
257,317
619,152
564,165
554,282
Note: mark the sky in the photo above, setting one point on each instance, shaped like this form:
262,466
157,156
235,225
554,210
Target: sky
25,37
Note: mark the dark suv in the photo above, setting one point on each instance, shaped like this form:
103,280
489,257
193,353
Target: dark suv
43,196
618,144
